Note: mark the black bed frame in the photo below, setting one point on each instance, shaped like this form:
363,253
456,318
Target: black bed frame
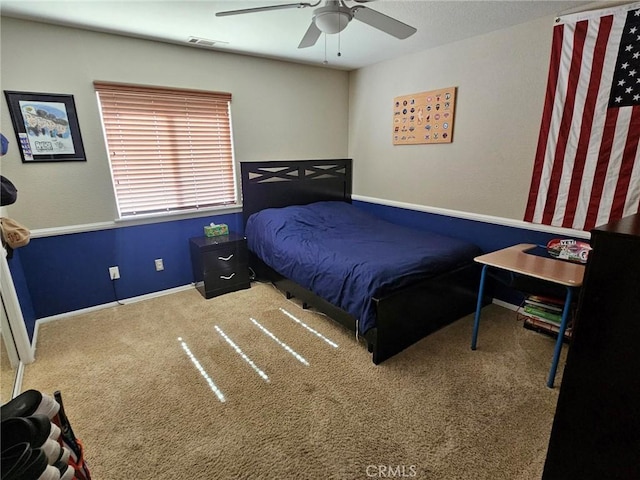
402,317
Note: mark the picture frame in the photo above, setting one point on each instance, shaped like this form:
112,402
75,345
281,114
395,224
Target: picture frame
46,126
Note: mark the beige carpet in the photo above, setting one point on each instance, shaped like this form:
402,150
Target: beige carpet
436,411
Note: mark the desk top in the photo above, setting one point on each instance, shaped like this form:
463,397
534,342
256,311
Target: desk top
516,260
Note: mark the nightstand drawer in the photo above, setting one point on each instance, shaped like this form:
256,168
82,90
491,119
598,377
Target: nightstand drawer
225,259
223,280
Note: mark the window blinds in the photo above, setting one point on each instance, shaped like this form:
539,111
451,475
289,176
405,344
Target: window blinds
169,149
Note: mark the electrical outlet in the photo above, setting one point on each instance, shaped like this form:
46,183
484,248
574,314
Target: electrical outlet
159,264
114,273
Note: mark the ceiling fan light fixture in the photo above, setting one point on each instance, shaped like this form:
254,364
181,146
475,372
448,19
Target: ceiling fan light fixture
332,19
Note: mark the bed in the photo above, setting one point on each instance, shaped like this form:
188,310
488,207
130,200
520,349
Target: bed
389,284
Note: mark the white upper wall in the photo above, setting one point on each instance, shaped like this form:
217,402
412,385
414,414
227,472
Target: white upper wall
287,111
279,110
500,79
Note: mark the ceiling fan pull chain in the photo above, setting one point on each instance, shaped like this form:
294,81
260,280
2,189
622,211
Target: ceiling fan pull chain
325,50
341,28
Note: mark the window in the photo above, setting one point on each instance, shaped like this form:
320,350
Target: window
169,149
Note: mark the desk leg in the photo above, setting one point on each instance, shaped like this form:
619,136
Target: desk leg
563,327
476,323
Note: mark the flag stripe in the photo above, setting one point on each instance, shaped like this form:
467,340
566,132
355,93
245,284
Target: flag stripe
552,80
567,118
633,194
587,123
615,163
571,159
566,55
599,121
601,167
626,169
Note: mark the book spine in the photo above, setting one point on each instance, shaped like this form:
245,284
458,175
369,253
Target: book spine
540,312
546,306
545,325
548,300
539,319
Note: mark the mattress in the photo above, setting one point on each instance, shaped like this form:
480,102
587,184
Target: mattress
347,256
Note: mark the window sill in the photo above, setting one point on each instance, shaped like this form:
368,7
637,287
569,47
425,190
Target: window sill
178,215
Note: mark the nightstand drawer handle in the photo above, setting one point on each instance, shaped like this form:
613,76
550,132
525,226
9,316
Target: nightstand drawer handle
227,278
226,259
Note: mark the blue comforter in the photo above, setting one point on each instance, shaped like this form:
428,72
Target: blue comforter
347,256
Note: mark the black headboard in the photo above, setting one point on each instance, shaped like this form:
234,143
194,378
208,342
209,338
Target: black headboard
293,182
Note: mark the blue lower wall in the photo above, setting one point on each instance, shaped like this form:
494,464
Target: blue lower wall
488,236
22,290
59,274
63,273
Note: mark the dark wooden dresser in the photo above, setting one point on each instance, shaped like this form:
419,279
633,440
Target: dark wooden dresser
596,429
220,264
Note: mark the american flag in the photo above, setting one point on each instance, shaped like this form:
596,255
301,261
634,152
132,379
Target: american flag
587,169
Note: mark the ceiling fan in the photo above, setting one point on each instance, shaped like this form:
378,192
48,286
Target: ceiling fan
334,17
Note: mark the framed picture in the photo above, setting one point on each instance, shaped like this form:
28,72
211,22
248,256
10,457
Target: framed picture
46,126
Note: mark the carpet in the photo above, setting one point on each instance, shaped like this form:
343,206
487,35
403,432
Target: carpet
143,385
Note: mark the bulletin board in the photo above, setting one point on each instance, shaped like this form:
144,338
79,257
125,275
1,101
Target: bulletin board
423,118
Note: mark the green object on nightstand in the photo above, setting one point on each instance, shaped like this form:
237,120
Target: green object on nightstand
214,230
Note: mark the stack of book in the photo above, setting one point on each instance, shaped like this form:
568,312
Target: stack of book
544,314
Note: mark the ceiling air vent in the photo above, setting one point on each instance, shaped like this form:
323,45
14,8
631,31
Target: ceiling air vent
203,42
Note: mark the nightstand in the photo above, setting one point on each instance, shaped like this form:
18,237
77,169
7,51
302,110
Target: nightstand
220,264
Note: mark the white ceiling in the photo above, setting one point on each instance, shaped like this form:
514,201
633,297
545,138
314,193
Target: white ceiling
277,33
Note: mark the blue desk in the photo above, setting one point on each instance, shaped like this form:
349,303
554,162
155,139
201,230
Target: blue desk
515,259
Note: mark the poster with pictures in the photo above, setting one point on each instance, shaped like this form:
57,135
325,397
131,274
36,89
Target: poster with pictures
425,117
46,125
47,128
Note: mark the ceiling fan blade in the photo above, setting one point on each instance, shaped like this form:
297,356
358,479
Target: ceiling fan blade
310,37
263,9
383,22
